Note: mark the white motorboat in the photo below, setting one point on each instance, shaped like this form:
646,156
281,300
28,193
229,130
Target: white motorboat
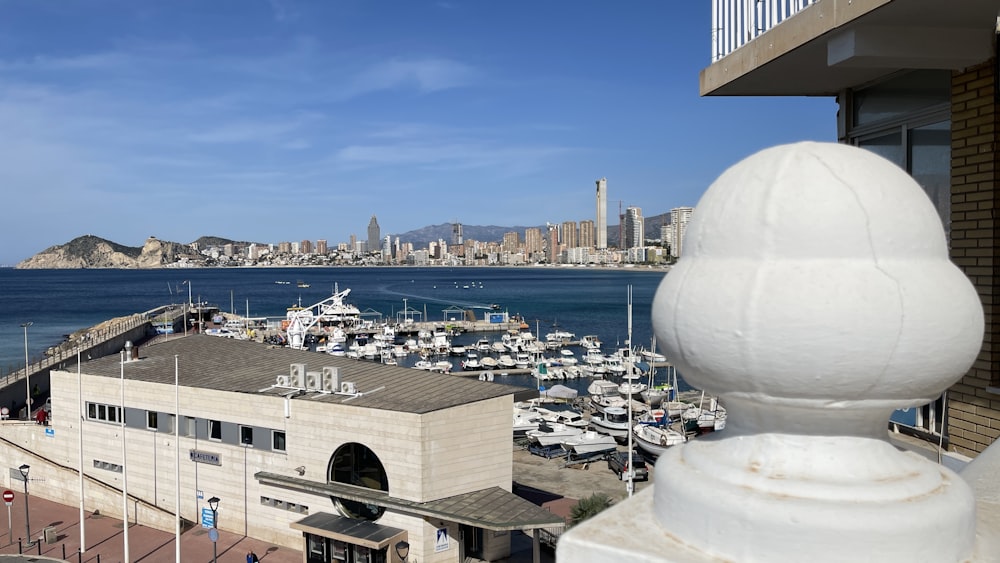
506,362
590,341
590,442
567,358
483,346
613,421
567,417
552,433
560,336
525,420
655,439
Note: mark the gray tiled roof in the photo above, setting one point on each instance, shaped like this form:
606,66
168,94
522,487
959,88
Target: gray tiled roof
211,362
492,508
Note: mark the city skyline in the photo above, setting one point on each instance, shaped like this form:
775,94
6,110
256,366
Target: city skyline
292,120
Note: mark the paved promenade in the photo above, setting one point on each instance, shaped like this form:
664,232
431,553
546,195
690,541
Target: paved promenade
105,539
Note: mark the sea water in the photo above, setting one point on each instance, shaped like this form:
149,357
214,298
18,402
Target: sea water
578,300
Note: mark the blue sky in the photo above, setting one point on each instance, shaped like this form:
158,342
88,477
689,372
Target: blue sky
290,120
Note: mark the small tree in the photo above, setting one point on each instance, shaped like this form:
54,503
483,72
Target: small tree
587,507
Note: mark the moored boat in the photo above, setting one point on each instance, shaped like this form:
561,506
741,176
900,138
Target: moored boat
589,442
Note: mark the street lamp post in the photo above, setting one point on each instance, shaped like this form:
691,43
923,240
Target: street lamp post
27,523
27,382
213,503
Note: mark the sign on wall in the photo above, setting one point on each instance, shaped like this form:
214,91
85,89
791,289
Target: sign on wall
441,544
199,456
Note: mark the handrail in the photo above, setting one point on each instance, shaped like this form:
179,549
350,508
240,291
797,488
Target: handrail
737,22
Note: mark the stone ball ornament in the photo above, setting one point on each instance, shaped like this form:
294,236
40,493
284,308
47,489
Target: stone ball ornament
818,272
815,295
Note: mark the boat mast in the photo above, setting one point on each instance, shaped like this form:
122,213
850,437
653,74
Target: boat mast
630,486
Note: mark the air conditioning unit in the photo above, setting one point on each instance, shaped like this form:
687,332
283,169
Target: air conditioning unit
282,381
348,387
331,379
298,376
313,381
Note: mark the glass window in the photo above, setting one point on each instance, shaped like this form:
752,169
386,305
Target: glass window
151,420
190,426
355,464
91,411
214,429
278,441
246,435
930,165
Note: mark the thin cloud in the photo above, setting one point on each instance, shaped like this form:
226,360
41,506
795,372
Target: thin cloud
426,75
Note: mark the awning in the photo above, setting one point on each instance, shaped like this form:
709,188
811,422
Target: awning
491,509
358,532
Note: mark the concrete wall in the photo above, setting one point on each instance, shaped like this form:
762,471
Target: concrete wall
974,402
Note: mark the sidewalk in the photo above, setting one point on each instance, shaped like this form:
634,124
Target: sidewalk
105,538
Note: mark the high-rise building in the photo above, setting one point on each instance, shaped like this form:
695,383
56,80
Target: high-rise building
511,241
679,218
587,234
570,238
634,227
456,234
532,241
602,214
321,246
552,246
374,235
306,246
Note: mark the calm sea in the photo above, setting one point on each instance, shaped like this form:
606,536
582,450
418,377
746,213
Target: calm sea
579,300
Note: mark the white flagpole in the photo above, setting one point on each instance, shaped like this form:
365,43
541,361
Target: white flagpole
121,417
81,407
631,364
177,463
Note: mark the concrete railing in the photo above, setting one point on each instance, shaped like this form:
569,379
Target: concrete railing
737,22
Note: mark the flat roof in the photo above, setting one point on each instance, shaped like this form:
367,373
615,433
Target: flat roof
362,532
240,366
492,508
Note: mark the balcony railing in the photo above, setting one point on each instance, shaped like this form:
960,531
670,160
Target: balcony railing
736,22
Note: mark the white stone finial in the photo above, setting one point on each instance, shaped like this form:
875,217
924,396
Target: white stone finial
814,297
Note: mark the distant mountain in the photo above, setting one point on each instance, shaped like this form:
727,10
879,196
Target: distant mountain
90,251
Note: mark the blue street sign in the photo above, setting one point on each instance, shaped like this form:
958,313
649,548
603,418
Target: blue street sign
206,518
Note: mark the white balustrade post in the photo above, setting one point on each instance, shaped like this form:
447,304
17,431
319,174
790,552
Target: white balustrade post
815,296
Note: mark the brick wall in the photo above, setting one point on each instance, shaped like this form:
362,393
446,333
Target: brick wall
974,402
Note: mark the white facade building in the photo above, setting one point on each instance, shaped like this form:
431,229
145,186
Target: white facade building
679,219
334,457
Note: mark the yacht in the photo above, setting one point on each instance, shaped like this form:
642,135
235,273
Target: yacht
590,442
613,422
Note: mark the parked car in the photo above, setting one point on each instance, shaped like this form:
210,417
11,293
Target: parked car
618,462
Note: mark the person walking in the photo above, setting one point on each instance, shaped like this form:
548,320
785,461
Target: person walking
252,557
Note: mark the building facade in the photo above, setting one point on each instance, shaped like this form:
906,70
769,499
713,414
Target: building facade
634,228
374,235
679,219
337,458
601,221
587,239
915,82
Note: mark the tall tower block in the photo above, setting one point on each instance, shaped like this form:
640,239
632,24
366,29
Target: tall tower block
602,214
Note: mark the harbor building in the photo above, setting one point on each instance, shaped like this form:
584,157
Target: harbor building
601,222
340,459
915,82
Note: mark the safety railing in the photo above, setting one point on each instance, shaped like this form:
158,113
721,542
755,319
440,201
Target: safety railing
737,22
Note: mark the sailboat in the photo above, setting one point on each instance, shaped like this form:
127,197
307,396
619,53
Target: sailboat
652,395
